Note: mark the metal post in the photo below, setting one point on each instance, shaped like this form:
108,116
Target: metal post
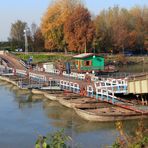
26,42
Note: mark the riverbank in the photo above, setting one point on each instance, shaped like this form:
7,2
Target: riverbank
121,59
53,57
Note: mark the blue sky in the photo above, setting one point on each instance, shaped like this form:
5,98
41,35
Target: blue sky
32,10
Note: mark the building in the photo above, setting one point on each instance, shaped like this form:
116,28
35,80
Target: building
48,66
89,62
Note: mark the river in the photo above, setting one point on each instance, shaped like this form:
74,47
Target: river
136,68
24,116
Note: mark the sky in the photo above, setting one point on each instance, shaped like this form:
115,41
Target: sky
32,10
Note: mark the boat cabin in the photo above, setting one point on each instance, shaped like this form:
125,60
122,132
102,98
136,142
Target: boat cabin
88,62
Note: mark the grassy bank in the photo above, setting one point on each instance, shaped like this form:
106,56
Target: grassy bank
47,57
37,57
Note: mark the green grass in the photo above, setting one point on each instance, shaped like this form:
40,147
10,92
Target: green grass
39,58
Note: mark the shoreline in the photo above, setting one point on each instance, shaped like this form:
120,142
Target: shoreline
33,91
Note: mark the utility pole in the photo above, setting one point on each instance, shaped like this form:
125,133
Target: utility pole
26,41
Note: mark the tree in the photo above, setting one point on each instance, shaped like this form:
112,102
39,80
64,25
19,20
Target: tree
36,39
79,30
53,23
140,24
17,34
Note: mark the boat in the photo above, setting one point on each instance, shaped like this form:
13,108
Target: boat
73,101
105,114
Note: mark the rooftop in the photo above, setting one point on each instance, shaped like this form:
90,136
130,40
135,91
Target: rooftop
83,55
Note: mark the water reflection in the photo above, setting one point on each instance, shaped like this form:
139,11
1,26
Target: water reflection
65,117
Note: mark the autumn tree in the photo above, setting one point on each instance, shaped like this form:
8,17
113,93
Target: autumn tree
38,41
53,23
119,29
103,37
138,26
17,34
79,30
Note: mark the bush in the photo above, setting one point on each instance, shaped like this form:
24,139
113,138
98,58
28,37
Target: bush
55,140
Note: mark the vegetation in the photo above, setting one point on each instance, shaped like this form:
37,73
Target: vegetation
43,57
113,30
53,23
79,30
17,34
55,140
124,140
5,46
68,26
118,29
34,36
139,140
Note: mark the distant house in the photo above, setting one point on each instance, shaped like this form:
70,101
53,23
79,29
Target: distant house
88,62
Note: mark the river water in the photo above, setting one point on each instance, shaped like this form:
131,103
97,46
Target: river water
136,68
23,117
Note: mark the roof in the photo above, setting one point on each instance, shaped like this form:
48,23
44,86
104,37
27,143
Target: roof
83,55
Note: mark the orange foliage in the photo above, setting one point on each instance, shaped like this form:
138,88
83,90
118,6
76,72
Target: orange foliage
79,30
53,22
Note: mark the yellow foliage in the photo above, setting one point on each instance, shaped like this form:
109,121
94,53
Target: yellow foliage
54,18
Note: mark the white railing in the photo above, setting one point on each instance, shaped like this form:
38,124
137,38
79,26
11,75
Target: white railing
74,75
106,95
115,85
37,76
53,71
67,85
21,72
90,91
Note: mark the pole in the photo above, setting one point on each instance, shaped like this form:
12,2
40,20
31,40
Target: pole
26,42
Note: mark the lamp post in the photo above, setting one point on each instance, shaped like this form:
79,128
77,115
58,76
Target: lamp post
26,41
